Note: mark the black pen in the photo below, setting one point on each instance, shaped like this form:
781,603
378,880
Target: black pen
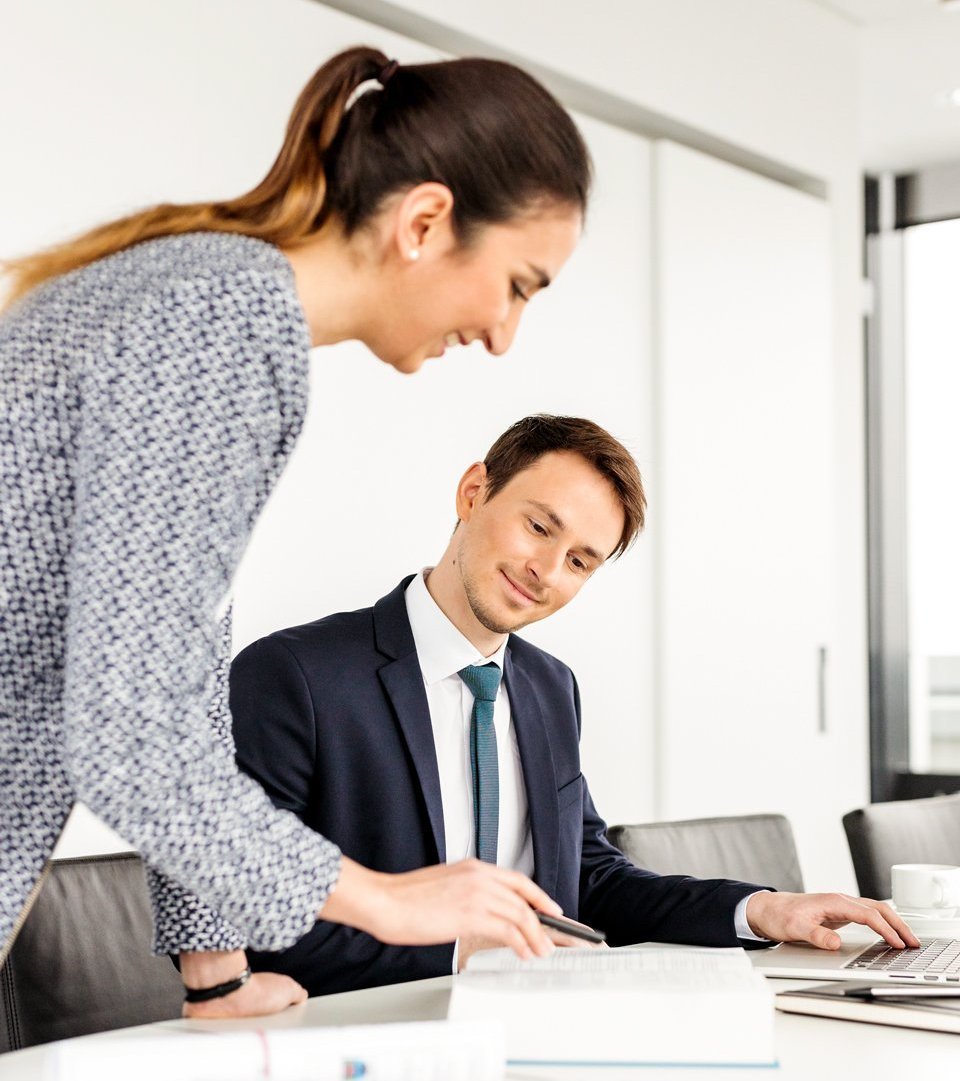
568,927
905,990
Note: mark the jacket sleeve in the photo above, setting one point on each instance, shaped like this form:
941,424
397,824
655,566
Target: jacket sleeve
634,905
179,423
274,727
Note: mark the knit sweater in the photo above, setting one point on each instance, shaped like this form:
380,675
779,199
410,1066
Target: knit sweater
148,403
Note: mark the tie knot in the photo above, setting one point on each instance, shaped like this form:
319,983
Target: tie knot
482,680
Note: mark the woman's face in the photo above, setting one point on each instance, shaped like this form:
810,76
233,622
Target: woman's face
453,295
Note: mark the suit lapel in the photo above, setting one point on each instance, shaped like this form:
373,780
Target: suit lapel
402,681
539,773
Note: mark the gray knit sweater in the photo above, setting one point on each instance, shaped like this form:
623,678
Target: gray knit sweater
148,403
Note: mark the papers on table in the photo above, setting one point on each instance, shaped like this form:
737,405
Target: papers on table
425,1051
642,1005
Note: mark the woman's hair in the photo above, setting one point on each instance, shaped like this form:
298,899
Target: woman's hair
491,133
525,442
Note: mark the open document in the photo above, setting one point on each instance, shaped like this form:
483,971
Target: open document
422,1051
641,1005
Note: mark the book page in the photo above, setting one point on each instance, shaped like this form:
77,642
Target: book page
664,967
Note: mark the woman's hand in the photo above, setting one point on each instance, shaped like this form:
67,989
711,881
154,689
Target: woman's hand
263,993
441,903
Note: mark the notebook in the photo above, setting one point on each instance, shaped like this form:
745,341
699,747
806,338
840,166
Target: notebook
834,1000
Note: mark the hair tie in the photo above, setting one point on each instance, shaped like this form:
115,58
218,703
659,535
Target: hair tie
387,72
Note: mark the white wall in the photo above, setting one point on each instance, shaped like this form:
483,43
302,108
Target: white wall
132,115
369,494
121,103
779,78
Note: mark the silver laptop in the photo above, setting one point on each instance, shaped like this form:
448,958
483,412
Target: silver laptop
937,960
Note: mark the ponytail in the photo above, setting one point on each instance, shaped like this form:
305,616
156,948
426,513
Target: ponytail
486,129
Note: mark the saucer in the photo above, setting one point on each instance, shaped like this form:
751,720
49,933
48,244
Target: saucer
925,926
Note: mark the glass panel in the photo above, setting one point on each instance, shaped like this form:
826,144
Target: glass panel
932,361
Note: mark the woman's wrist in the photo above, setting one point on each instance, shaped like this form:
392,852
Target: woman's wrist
211,968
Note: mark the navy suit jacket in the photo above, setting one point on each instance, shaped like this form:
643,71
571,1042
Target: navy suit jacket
332,719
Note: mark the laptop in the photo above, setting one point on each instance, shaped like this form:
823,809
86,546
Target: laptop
936,960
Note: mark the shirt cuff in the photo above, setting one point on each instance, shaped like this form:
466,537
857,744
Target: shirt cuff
740,925
456,955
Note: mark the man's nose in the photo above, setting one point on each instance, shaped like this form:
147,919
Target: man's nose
546,565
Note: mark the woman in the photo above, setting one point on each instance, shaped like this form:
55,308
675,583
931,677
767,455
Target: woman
153,380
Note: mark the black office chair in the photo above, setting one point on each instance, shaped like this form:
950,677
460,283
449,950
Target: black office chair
752,848
903,831
82,961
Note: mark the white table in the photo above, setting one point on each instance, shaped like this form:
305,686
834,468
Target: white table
809,1048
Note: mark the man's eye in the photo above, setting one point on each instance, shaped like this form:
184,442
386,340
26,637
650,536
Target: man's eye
537,527
518,293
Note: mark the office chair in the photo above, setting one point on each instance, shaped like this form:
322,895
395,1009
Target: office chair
752,848
82,961
903,831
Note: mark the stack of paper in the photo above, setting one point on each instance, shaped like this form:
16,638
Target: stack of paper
637,1006
427,1051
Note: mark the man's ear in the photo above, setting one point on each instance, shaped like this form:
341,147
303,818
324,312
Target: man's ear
424,221
471,490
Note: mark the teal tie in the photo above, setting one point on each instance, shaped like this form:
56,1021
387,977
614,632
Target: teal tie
482,681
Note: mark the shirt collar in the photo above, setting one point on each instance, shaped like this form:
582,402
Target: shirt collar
441,649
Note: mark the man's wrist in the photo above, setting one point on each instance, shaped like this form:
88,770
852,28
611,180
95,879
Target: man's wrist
751,920
358,897
210,968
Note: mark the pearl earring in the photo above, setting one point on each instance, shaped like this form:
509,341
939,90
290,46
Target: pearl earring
414,254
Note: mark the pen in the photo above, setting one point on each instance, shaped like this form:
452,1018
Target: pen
569,927
905,990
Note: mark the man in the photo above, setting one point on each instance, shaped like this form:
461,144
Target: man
388,730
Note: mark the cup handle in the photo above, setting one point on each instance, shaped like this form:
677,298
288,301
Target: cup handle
948,891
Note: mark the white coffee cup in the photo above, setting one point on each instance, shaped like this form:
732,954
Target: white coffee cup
929,889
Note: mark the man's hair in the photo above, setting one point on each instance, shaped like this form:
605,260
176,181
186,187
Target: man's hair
529,439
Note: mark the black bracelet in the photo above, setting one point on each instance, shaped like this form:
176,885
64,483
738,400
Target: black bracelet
204,994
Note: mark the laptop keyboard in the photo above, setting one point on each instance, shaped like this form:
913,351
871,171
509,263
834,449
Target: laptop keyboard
936,959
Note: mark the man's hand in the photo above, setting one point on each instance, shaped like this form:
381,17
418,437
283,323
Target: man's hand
812,917
263,993
441,904
471,944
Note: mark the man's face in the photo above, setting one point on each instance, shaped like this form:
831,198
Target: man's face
526,553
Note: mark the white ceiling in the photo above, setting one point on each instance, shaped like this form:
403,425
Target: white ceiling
909,80
909,84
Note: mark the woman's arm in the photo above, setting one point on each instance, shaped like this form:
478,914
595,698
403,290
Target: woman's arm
186,420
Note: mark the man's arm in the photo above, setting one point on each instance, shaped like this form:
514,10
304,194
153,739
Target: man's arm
635,905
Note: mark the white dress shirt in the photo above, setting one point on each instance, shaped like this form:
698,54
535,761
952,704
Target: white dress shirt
442,651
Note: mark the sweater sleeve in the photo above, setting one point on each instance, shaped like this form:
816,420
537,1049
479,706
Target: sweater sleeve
180,426
181,921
